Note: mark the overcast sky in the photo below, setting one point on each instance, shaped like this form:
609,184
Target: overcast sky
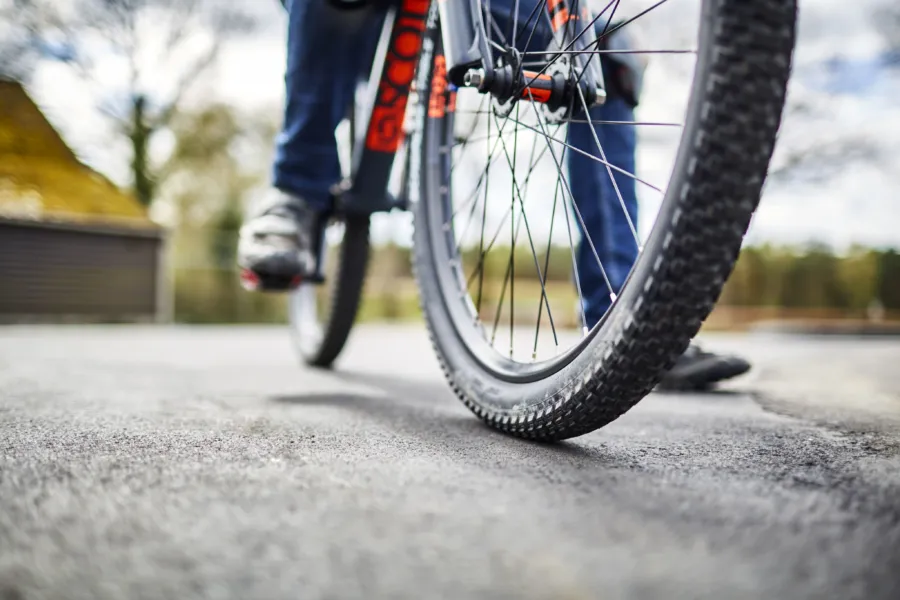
841,72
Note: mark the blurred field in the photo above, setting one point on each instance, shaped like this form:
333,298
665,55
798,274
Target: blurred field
779,284
214,296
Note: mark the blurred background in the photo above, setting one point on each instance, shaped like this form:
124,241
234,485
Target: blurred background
134,132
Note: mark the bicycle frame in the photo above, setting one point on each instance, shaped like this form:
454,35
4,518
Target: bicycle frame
465,46
381,131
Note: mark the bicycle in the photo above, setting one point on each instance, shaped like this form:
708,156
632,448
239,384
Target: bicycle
439,59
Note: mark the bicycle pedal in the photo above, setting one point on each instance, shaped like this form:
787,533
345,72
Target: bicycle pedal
262,282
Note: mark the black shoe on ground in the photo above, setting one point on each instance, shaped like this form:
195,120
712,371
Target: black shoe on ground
275,245
697,370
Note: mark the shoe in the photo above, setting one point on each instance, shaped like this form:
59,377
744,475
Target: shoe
697,370
275,244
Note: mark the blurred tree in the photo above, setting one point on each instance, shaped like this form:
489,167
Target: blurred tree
18,53
886,20
858,274
160,47
889,279
812,281
217,161
813,147
759,277
219,156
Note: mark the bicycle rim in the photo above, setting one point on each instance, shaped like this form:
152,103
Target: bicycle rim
530,228
565,379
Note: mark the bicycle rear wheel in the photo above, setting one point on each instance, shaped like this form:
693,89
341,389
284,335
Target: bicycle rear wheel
322,315
476,177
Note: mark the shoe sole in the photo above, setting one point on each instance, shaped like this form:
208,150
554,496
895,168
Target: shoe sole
255,281
702,377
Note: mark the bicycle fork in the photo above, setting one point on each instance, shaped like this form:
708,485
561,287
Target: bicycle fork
473,62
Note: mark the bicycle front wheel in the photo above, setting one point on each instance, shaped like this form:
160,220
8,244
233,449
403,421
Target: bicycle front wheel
505,247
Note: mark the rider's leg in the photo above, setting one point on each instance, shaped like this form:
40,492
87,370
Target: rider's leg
603,205
610,215
328,50
591,185
533,26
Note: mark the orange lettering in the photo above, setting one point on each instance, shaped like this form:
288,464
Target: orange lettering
438,101
386,124
537,94
560,18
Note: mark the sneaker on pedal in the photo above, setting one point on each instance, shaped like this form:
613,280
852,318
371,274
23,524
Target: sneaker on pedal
697,370
275,247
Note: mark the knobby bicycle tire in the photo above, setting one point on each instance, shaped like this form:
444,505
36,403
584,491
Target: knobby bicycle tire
735,108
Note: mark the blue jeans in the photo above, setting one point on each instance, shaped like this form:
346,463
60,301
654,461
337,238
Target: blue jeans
326,57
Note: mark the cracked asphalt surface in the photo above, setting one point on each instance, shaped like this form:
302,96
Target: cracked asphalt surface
179,462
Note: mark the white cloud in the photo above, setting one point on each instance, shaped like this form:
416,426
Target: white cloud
858,202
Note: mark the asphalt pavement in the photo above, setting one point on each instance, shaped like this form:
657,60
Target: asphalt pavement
179,462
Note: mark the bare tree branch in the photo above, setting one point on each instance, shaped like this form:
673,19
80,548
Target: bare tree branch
887,22
187,80
81,33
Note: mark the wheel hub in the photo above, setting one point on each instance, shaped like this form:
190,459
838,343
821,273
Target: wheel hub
559,69
553,86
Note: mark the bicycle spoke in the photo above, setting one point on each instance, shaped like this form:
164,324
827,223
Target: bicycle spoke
478,270
499,230
515,20
448,225
531,163
506,278
586,234
570,20
471,131
499,305
537,327
544,298
483,225
612,178
484,178
473,196
494,292
559,186
494,27
635,123
537,266
592,157
496,45
475,139
491,158
540,3
608,32
512,248
596,41
537,6
577,52
479,266
612,15
572,42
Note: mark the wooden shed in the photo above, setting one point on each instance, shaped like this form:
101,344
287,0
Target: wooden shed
73,246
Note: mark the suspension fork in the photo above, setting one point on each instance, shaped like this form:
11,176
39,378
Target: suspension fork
471,62
464,38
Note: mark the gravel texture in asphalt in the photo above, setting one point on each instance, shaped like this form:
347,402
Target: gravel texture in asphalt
148,462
